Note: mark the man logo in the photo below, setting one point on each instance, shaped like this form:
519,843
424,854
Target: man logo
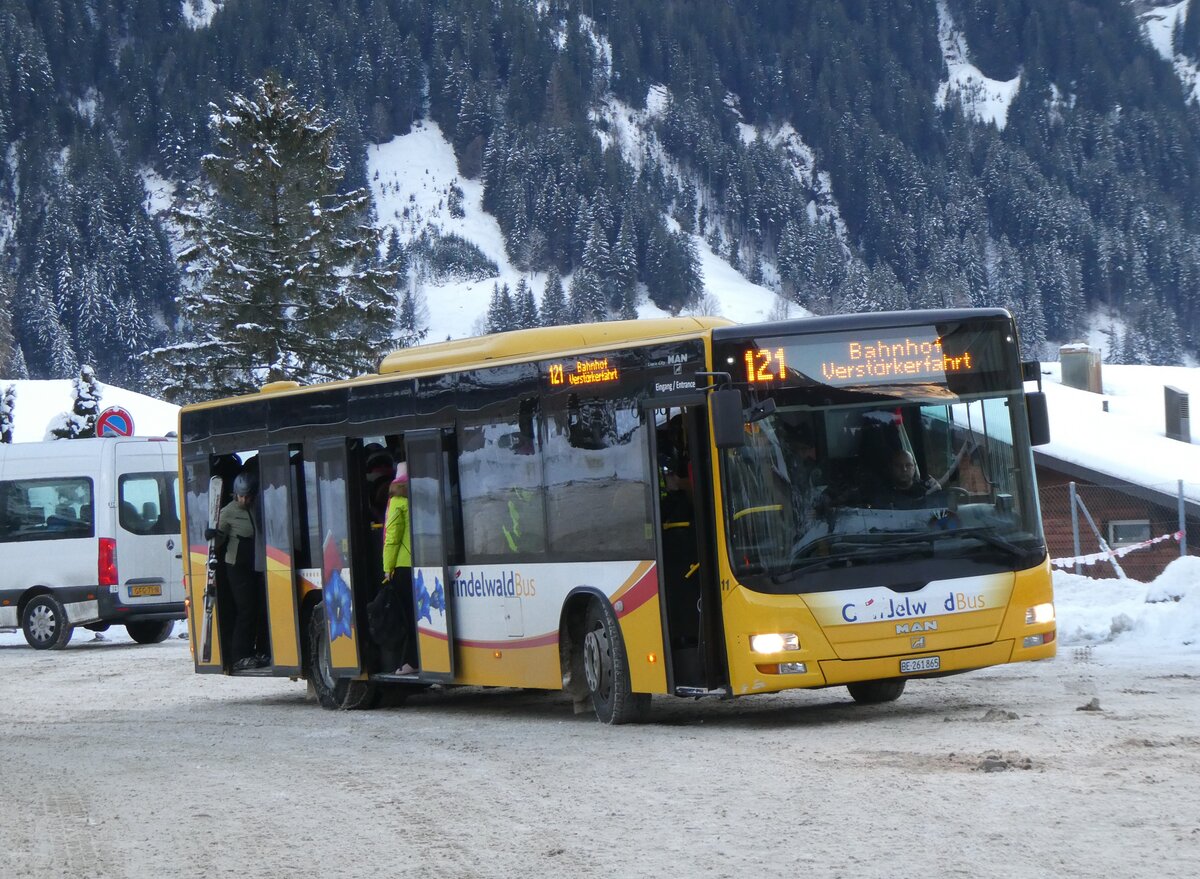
918,643
918,626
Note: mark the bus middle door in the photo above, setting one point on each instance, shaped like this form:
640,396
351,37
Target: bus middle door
276,509
431,508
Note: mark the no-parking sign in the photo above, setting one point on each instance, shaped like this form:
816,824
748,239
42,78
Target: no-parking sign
114,421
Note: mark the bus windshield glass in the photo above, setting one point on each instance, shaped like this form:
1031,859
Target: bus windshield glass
904,465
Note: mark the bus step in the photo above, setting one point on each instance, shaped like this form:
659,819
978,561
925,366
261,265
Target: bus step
701,692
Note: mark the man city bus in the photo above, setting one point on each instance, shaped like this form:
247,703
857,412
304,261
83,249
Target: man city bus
680,506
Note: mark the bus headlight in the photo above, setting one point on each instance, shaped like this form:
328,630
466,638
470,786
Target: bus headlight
775,642
1039,613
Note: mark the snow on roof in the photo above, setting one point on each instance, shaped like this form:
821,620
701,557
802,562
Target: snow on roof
40,402
1129,441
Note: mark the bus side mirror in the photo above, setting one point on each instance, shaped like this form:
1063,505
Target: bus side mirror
729,427
1039,418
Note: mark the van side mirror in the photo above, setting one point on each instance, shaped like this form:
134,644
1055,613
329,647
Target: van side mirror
729,426
1039,418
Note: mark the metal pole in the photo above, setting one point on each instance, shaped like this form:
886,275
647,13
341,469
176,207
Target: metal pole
1112,556
1182,523
1075,529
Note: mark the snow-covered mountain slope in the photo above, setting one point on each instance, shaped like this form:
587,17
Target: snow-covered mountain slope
982,99
411,178
1159,19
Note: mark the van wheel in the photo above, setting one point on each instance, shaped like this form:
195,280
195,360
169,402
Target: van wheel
151,632
333,692
606,669
874,692
44,622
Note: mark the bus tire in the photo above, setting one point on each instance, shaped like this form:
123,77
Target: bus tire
606,669
44,622
334,693
874,692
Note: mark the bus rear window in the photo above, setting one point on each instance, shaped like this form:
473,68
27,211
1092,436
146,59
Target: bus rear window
147,503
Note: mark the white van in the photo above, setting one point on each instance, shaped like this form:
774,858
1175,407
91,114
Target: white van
89,536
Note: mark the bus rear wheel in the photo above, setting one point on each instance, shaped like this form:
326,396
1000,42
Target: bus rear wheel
874,692
44,622
606,669
151,631
333,692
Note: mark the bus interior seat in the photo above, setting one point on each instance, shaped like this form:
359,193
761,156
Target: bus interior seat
85,512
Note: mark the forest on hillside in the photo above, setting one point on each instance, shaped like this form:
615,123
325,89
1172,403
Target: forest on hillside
1088,197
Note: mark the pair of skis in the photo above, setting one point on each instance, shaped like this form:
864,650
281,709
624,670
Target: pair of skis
215,487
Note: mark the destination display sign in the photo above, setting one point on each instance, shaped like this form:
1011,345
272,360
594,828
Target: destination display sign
909,355
582,372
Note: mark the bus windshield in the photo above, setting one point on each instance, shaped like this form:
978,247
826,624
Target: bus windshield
820,493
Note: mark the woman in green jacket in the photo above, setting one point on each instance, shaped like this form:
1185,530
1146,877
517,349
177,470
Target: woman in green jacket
397,571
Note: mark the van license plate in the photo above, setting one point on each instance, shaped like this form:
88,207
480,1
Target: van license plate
140,591
925,663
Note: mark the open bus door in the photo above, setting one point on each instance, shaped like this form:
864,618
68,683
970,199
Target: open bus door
432,507
197,471
344,613
687,568
275,497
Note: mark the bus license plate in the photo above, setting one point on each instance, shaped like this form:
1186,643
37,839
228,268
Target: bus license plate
925,663
140,591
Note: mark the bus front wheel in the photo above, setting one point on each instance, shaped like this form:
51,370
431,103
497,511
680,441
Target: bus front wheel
606,669
874,692
44,622
333,692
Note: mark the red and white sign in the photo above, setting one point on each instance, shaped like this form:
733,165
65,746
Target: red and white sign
114,421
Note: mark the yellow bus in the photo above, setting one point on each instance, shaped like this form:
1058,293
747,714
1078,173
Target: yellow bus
680,506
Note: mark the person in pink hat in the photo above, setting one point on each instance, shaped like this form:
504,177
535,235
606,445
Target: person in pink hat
397,571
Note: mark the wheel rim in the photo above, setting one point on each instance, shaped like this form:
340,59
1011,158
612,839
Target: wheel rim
42,623
596,662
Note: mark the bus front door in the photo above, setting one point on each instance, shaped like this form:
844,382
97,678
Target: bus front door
277,516
431,509
687,571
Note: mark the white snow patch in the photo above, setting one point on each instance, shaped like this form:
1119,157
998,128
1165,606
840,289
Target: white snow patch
198,14
1158,25
39,404
983,99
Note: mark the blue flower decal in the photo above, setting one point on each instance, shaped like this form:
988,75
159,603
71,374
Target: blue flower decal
339,606
438,600
422,595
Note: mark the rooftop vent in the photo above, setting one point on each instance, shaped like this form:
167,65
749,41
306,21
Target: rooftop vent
1179,421
1081,367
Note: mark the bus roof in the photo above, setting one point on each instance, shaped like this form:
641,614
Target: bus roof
542,342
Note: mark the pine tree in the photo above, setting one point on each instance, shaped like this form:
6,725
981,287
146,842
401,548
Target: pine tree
501,316
555,312
284,284
7,406
80,422
525,307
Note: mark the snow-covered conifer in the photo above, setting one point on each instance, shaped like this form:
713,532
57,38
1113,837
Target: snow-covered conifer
555,311
501,316
283,276
7,405
80,422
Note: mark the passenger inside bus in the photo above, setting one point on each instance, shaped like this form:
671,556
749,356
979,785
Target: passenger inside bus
391,612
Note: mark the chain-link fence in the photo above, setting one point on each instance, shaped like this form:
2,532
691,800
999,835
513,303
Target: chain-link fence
1104,531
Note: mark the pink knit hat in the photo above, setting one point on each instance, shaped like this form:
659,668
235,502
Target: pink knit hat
401,474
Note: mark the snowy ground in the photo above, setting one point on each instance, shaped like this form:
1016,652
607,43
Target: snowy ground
122,763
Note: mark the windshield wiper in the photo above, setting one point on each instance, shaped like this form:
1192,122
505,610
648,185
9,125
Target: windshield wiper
990,537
